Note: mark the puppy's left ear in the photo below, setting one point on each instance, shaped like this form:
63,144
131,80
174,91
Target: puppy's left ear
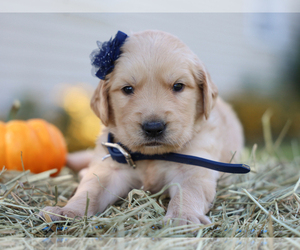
209,89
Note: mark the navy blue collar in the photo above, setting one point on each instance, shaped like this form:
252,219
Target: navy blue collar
121,155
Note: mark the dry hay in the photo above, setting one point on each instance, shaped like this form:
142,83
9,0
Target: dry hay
264,203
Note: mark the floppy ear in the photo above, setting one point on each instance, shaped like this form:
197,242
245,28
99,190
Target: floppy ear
99,103
209,90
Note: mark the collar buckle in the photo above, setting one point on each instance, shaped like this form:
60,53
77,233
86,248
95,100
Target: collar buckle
123,151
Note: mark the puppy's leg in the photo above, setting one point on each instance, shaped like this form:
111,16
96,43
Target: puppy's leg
82,173
79,160
198,189
103,185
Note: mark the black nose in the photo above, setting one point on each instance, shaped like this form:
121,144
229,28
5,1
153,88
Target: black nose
153,128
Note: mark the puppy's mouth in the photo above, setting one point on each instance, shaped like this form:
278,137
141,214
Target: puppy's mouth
153,144
150,147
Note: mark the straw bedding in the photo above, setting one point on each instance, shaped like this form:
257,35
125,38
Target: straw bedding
264,203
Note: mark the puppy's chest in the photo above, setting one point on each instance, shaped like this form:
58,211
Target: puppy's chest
154,174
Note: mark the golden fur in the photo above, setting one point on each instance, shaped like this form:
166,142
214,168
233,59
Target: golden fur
197,122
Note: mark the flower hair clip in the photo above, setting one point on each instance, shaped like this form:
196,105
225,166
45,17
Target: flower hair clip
103,59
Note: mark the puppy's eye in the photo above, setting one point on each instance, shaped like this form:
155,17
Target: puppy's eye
128,90
177,87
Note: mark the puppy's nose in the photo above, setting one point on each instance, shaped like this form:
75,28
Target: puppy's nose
153,128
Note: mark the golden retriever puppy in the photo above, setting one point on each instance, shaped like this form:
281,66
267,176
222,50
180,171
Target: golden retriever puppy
159,98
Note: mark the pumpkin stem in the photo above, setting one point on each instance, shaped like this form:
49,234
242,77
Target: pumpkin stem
13,110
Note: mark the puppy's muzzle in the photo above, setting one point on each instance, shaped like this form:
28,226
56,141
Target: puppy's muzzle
154,129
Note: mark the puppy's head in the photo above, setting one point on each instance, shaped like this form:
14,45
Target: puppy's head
155,94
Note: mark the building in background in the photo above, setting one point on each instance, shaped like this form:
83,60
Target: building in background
244,52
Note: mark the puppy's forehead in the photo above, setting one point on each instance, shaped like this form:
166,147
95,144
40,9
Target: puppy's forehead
152,42
156,53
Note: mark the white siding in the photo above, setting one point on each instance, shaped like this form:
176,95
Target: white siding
40,51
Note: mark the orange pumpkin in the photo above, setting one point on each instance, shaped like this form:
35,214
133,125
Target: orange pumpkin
42,144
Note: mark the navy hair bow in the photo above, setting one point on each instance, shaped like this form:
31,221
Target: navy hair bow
103,59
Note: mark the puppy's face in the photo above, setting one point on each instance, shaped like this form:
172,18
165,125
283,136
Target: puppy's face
155,94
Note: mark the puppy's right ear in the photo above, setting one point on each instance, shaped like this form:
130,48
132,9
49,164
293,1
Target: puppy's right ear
99,103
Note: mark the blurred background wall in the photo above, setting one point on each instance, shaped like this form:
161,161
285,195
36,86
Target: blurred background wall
253,58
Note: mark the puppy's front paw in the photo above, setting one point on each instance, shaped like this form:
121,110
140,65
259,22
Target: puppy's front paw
187,218
63,211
